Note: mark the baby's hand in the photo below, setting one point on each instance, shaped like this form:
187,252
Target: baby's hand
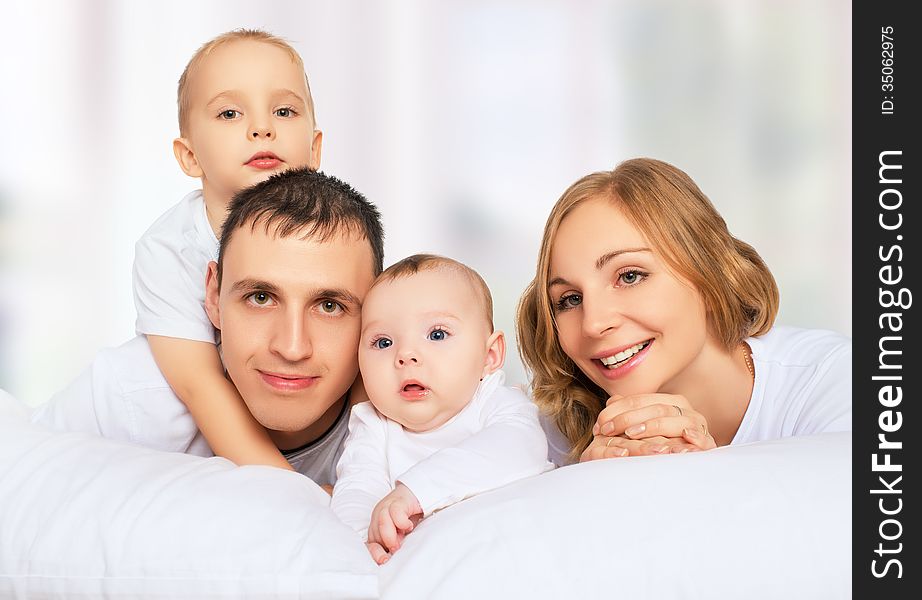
391,520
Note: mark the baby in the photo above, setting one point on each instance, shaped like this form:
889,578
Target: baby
440,426
245,113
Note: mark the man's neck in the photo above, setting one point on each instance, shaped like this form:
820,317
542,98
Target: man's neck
291,440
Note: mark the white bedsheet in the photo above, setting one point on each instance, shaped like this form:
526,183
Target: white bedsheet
85,517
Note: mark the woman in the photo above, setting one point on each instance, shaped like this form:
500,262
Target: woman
649,328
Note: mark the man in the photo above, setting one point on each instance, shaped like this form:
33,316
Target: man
298,253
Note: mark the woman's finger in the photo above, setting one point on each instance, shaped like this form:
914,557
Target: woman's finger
621,422
670,427
697,437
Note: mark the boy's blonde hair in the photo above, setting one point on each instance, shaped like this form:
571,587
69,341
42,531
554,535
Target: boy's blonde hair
236,35
412,265
683,227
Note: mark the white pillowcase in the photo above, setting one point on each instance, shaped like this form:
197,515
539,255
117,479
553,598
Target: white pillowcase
81,516
766,520
85,517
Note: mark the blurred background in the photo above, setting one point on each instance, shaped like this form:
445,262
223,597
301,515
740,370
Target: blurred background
463,120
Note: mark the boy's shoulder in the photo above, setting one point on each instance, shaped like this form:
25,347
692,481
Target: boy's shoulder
183,223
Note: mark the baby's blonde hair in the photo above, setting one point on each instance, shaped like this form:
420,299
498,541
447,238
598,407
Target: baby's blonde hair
412,265
236,35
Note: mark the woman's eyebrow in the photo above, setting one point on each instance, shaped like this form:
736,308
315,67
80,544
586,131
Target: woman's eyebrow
599,263
605,258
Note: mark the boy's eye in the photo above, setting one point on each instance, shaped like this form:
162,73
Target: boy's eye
260,298
330,307
229,114
284,112
382,343
437,335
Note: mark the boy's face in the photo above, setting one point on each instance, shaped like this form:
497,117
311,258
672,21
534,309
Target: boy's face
248,118
289,311
425,346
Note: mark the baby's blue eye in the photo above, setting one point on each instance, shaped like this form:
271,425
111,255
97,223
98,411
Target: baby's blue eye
382,343
229,114
283,112
438,335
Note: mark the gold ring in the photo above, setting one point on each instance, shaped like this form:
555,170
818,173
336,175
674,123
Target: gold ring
610,440
678,409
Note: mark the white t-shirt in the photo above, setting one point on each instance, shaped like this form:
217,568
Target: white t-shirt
170,263
803,385
123,396
494,440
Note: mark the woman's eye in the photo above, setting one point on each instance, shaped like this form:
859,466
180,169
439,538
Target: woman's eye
229,114
569,301
329,307
382,343
260,298
631,277
437,335
284,112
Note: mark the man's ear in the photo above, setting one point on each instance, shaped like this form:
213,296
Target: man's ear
316,145
185,156
212,295
496,353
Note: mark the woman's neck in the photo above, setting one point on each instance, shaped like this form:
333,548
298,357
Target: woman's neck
718,384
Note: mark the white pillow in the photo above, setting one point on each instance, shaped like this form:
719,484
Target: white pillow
81,516
766,520
86,517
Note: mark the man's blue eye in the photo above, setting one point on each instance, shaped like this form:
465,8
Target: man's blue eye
438,335
382,343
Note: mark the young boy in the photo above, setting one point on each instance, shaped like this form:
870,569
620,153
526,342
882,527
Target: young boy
245,113
440,426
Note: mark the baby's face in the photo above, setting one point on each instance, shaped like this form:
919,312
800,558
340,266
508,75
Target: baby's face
248,117
423,348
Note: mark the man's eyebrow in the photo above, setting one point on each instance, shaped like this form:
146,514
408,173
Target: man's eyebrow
599,263
254,285
338,294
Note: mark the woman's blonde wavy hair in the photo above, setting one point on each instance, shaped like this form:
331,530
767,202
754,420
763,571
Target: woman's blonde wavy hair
684,228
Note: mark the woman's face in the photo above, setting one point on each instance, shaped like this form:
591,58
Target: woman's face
628,322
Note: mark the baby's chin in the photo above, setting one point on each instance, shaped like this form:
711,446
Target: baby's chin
417,425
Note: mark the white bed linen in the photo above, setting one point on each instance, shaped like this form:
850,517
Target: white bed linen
85,517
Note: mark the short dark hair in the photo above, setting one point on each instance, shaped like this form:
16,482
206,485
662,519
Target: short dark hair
308,202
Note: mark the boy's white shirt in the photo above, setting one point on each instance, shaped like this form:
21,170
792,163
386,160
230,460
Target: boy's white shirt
494,440
170,263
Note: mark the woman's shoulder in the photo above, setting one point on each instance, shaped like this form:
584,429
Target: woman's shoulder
795,346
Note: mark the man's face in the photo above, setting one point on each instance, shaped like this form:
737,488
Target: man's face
289,311
248,118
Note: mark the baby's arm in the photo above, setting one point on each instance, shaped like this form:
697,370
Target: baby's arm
362,475
195,373
511,446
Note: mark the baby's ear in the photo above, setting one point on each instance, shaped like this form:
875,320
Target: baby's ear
185,156
496,353
212,295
